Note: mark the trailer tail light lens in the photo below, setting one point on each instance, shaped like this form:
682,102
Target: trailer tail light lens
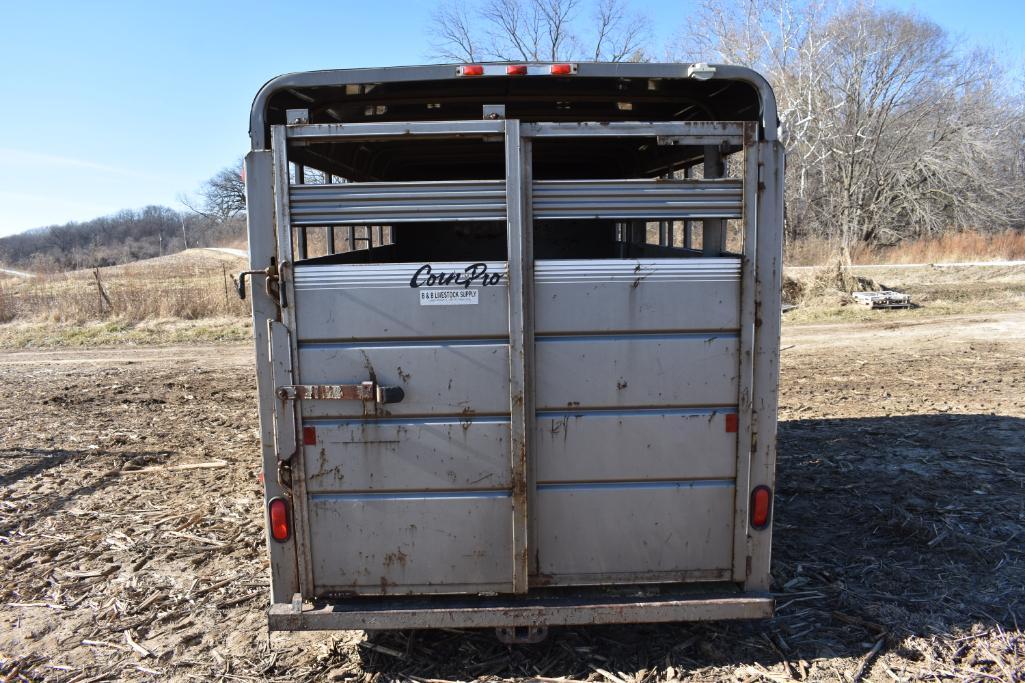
279,527
561,69
516,70
761,507
309,436
731,423
471,70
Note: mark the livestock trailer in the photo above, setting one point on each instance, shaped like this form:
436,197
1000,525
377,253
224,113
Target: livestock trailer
517,343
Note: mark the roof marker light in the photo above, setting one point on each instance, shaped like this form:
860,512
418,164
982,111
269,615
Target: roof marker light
516,70
471,70
561,69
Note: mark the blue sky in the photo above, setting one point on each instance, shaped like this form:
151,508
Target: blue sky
109,105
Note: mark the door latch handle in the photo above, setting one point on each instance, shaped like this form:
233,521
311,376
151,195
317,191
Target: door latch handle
271,275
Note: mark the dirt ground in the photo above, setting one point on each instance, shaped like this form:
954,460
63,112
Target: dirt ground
131,532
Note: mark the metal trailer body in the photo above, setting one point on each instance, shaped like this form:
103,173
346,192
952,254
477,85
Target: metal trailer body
509,390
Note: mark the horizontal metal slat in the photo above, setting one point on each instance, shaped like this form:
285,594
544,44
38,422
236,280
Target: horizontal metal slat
687,132
601,271
327,132
630,199
384,203
401,202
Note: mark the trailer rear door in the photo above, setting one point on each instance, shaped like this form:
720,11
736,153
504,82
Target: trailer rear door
562,421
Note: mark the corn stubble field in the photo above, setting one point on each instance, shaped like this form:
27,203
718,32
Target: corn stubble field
131,529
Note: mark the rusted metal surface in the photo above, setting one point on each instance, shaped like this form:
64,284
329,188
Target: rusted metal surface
364,391
507,612
328,392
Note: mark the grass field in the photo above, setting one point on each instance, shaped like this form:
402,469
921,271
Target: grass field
189,285
184,297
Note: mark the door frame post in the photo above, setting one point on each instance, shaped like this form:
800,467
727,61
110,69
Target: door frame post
286,264
520,236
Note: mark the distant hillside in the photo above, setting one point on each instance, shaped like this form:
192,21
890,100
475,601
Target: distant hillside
112,240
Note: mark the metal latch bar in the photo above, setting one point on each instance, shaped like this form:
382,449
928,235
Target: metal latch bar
364,391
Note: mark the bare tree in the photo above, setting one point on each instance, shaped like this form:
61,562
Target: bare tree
455,34
539,30
222,197
891,130
620,34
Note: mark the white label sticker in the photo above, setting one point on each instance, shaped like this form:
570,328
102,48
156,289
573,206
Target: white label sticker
448,297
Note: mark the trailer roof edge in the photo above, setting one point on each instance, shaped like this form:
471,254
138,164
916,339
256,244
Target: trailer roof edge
339,77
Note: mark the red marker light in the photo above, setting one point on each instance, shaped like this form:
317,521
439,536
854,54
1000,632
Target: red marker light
471,70
309,436
561,69
516,70
278,519
761,506
731,422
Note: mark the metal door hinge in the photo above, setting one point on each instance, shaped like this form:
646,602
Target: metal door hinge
364,391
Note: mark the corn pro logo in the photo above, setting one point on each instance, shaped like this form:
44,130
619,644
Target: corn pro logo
430,284
473,273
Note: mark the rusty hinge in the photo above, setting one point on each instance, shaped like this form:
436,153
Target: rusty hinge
364,391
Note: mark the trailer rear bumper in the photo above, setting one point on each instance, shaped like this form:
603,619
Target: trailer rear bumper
511,611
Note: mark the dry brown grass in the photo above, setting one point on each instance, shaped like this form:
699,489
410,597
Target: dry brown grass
955,247
189,286
6,301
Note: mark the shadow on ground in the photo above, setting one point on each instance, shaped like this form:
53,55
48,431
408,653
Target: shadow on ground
17,464
907,531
